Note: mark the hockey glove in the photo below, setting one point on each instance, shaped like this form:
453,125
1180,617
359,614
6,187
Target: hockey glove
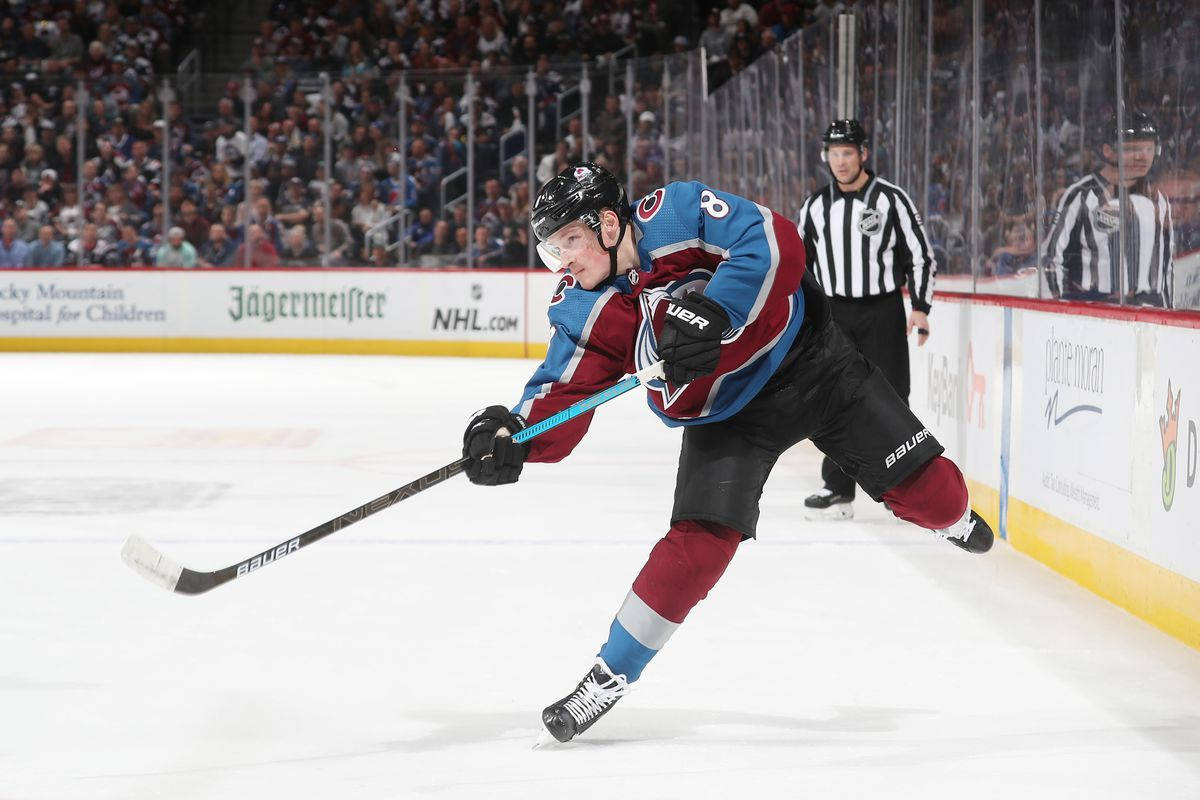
495,457
689,343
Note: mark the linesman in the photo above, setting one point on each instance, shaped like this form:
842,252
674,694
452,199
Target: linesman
1089,233
864,242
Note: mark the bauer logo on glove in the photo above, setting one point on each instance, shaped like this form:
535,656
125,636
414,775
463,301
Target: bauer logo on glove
689,342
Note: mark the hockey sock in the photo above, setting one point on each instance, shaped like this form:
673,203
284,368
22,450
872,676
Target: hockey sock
683,566
935,496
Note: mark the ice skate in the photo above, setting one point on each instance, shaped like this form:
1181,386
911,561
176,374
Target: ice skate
599,691
828,505
971,533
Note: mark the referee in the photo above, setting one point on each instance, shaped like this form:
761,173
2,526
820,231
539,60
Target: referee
1089,233
864,241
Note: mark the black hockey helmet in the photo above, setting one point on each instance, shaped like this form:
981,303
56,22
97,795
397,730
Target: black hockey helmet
580,192
844,131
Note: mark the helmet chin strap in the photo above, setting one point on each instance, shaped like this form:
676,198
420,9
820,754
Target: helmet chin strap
612,251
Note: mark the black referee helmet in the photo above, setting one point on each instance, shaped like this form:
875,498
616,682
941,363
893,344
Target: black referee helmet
1138,128
844,131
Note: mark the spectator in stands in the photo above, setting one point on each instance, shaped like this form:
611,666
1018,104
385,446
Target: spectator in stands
517,172
45,252
515,235
177,252
461,243
131,250
261,252
297,250
1018,252
13,251
218,248
553,163
443,243
88,248
736,11
27,228
367,213
420,233
294,208
487,250
195,227
610,127
486,210
520,201
341,241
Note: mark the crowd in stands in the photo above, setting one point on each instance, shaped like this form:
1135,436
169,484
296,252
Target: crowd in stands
225,193
231,196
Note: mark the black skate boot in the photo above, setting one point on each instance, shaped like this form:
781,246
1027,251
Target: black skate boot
827,504
599,691
970,533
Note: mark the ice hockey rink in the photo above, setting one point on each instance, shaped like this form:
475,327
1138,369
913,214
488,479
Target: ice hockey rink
410,655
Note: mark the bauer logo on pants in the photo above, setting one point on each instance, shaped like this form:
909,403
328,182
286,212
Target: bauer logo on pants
906,447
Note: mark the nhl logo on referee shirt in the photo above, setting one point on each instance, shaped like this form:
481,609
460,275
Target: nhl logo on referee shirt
1106,218
870,223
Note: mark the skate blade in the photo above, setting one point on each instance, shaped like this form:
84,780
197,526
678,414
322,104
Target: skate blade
545,741
837,511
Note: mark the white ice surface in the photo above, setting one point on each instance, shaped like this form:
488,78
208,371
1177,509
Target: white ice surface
410,655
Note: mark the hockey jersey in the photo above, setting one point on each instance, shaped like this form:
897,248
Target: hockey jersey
688,237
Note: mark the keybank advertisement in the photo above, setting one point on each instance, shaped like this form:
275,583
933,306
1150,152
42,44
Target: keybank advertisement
957,385
1167,472
257,304
1077,397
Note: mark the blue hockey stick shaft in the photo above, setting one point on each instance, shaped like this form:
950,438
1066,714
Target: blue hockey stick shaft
588,403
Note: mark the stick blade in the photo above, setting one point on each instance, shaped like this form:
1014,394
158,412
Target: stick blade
142,558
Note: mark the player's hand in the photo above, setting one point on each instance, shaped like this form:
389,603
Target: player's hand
920,321
689,342
495,458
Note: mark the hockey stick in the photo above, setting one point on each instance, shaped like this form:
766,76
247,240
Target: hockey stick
148,562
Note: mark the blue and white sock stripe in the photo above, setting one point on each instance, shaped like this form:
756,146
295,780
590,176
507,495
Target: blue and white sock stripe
635,637
645,624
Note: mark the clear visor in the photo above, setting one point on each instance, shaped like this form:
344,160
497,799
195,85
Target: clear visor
557,249
551,256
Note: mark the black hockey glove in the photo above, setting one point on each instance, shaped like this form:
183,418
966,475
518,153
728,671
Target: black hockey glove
689,343
495,459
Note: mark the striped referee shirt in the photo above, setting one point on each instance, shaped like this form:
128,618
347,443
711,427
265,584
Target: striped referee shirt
867,243
1083,248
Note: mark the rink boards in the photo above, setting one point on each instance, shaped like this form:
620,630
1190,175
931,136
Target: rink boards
1063,427
388,311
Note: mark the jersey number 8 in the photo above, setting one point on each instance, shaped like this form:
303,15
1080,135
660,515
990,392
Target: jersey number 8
714,206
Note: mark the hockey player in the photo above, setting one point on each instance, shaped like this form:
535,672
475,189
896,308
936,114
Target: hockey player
714,286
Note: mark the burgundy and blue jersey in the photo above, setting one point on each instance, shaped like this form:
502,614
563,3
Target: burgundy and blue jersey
689,237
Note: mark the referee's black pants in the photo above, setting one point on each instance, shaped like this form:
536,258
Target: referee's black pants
876,326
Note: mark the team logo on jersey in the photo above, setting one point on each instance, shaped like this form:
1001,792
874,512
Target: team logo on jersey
560,291
634,277
1106,218
870,223
650,205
